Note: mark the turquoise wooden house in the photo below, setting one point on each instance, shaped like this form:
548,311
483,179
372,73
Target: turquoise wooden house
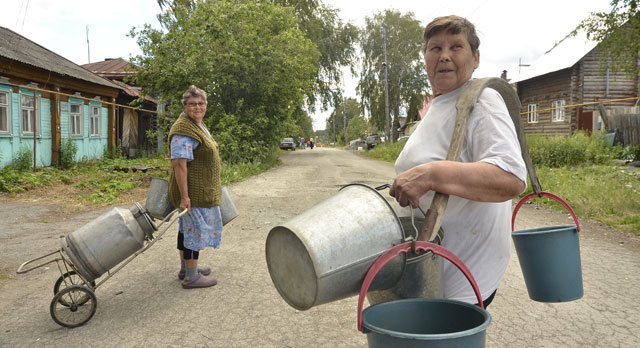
46,99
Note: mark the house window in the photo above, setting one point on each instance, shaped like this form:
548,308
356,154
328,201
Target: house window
95,120
75,119
557,114
532,115
28,114
5,120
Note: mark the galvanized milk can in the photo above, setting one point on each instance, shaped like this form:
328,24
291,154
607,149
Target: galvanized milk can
107,240
159,206
157,203
422,276
323,254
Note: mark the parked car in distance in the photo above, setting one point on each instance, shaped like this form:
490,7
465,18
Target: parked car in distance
372,141
288,144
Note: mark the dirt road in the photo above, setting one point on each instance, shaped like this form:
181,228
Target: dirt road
143,305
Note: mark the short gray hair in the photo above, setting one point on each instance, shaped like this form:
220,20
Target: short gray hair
193,92
453,25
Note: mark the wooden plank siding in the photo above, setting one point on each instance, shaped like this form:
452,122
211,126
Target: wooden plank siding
584,82
596,82
542,91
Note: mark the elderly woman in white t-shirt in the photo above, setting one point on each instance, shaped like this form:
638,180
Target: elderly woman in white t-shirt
490,173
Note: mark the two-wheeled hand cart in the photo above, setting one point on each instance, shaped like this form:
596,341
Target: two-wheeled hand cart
113,239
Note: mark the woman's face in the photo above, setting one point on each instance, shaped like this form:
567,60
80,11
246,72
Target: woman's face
195,108
449,61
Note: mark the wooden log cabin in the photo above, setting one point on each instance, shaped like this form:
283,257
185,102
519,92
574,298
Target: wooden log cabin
572,73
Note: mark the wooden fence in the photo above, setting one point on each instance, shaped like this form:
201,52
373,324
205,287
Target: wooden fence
627,121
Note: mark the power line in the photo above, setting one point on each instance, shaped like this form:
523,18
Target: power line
18,16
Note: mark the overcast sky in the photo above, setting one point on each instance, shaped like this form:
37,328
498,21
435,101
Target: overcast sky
510,30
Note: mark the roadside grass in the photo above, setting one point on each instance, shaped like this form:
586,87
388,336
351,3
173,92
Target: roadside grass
103,182
386,152
605,193
595,188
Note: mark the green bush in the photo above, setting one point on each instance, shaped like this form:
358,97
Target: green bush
115,153
577,149
23,160
386,152
631,153
68,151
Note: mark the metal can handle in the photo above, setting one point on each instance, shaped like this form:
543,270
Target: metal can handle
403,248
542,194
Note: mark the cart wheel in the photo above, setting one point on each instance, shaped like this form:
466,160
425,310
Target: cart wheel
68,279
79,306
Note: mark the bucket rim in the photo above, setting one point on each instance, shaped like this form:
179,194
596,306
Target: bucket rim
432,337
544,229
384,200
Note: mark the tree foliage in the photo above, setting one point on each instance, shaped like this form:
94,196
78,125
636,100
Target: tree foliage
618,33
256,66
339,120
334,39
356,128
407,79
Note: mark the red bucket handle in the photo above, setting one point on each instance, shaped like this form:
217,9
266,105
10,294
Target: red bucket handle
388,255
542,194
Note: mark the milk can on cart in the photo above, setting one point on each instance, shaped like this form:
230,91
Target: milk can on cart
93,251
96,251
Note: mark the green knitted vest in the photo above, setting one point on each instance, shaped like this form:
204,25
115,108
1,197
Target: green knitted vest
203,172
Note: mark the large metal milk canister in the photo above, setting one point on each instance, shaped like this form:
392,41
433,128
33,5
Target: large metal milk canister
106,241
422,277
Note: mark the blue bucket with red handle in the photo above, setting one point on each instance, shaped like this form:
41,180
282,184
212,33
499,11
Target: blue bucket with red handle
422,322
549,257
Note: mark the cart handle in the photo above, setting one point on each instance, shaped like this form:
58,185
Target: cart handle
20,269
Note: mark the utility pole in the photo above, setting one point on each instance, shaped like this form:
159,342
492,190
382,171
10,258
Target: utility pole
520,65
335,136
344,119
386,87
88,50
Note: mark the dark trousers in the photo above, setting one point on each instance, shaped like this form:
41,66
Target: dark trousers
188,253
488,300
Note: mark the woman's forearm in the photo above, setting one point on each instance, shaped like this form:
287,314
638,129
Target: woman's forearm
477,181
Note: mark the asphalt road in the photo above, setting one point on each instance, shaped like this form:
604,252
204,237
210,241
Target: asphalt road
143,304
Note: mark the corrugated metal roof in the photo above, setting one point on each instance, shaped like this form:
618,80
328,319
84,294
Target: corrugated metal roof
110,68
115,70
564,55
17,47
133,92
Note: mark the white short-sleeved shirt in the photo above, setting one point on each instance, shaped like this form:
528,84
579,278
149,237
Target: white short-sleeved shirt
478,233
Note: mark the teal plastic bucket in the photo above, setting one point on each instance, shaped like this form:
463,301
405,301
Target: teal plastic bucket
422,322
550,262
425,322
550,258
